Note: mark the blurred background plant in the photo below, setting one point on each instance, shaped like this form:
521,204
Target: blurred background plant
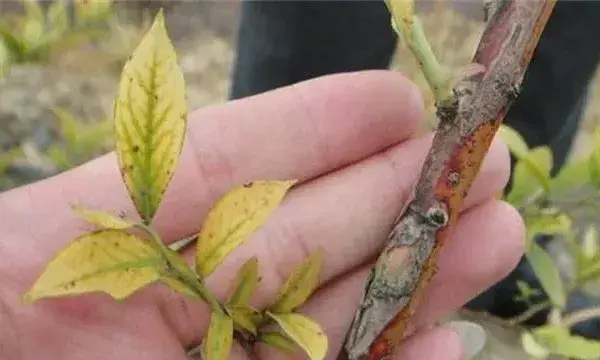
80,141
57,93
566,207
45,30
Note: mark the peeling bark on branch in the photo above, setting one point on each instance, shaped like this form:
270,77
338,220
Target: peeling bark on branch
468,124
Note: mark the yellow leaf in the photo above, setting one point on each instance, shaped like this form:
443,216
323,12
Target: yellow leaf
234,218
109,261
150,119
219,337
305,332
245,317
246,282
278,341
102,218
300,285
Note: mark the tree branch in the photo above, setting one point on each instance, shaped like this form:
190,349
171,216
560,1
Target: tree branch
468,124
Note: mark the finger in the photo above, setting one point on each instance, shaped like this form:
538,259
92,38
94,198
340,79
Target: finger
467,266
295,132
440,343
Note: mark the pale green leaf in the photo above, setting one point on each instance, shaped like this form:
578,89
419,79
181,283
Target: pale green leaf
278,341
33,27
59,157
69,126
590,242
150,119
5,58
103,219
589,269
533,347
33,10
109,261
245,317
513,141
531,175
305,332
526,292
574,175
549,223
219,338
16,50
57,19
246,283
547,273
559,341
234,218
300,285
594,168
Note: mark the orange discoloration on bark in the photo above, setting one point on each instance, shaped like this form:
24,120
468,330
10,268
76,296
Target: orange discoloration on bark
539,28
466,161
380,349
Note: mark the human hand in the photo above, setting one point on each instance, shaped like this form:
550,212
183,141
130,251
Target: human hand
349,140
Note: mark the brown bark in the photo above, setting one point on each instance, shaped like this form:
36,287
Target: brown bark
468,124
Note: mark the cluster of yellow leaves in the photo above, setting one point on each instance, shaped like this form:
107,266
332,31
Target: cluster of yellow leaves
150,114
298,330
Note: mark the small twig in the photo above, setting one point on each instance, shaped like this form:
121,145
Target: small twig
579,316
193,284
527,314
410,30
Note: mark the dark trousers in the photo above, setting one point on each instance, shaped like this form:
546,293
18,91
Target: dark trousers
284,42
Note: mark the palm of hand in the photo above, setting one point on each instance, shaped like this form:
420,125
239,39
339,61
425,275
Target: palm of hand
345,138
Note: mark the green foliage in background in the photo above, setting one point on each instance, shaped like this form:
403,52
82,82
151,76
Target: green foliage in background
76,142
38,34
551,205
80,141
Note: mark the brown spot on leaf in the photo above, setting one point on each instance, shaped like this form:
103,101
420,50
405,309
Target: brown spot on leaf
135,149
248,184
